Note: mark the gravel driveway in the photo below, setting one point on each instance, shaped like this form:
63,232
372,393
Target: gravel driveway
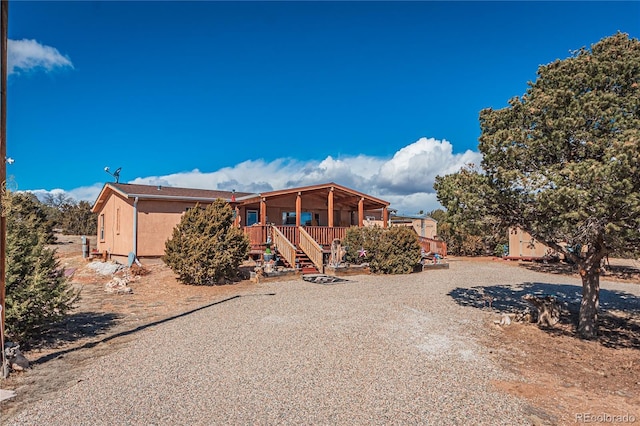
373,350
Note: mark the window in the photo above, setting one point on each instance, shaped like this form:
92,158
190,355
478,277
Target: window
252,217
289,218
102,227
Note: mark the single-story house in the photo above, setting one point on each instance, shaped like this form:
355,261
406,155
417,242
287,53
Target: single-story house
139,219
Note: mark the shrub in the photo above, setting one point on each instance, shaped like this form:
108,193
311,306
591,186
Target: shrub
388,251
37,294
205,247
361,244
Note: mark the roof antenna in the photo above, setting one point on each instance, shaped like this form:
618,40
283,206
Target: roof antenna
116,174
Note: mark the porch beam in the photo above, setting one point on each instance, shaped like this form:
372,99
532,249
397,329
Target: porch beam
263,211
361,212
298,208
330,207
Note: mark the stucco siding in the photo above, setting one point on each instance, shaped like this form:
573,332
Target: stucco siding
114,225
156,220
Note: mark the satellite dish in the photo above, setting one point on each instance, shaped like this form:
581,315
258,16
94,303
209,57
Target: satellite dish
116,174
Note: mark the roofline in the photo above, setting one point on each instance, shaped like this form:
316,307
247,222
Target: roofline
316,187
258,196
159,197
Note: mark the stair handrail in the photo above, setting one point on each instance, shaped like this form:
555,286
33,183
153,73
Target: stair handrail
284,246
312,249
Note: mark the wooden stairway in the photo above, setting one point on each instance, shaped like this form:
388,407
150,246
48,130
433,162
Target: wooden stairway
304,263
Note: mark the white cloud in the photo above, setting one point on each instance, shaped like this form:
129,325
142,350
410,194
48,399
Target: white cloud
27,55
413,169
405,180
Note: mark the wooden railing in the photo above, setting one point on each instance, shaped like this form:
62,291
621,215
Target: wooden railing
290,232
325,235
284,246
257,236
311,249
433,246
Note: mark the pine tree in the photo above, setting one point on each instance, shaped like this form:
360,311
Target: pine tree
563,160
78,219
205,248
37,294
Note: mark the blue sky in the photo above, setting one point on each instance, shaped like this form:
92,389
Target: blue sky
253,96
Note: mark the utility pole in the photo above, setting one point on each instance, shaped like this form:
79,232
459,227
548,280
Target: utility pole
4,20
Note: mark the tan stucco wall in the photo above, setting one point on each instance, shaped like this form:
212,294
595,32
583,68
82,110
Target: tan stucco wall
156,220
427,228
118,218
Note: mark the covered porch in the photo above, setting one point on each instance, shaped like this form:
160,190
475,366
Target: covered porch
303,222
329,205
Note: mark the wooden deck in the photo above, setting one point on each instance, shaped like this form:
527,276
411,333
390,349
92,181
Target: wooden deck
317,239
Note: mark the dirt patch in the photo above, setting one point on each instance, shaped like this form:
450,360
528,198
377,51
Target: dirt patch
568,380
565,377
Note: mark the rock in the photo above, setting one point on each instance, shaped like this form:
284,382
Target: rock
16,360
505,320
118,286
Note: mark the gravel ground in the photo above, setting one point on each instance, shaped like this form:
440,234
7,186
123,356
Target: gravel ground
373,350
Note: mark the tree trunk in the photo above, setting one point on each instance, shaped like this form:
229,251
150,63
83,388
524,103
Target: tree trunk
588,318
548,309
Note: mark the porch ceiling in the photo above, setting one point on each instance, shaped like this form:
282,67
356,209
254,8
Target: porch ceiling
342,197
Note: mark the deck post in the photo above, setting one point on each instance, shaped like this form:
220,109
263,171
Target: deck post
330,207
298,208
385,217
236,220
361,212
263,211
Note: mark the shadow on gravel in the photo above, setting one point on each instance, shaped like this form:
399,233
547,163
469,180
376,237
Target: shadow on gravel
94,343
75,327
619,317
561,268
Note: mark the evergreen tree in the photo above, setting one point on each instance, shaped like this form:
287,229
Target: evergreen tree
468,226
78,219
564,159
205,247
37,294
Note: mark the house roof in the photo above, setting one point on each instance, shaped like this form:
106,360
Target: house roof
159,192
411,217
341,195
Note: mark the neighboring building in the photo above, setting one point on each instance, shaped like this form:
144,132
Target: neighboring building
139,219
523,246
425,226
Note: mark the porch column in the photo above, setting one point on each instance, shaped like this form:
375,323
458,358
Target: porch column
263,211
236,221
385,217
298,208
361,212
330,208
